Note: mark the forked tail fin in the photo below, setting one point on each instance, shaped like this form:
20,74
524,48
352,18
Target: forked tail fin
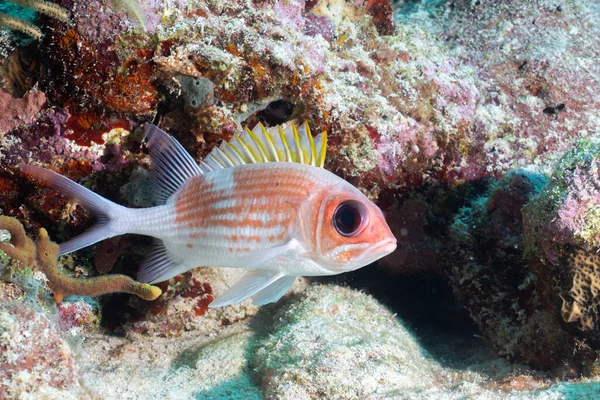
104,210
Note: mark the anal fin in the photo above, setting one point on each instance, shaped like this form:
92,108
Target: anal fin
249,285
159,266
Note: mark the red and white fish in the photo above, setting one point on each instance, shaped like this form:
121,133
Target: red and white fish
261,202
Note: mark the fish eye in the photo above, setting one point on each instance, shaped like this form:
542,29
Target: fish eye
348,217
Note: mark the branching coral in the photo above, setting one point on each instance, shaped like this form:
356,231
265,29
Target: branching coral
21,25
42,7
44,255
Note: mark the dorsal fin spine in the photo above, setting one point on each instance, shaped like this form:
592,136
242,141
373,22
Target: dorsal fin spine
323,149
288,154
313,150
237,153
256,151
261,148
205,166
227,161
299,152
247,149
270,141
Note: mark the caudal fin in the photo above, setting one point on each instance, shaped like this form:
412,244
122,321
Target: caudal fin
104,210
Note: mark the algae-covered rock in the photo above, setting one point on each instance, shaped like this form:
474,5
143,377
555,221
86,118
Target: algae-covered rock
335,343
35,359
492,279
563,237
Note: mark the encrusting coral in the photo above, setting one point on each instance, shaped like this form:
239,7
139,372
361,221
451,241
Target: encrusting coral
133,10
582,302
44,254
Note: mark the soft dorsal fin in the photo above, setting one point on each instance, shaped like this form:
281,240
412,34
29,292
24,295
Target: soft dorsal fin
172,165
278,144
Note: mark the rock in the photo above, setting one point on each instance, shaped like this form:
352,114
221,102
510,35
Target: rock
563,237
35,360
495,282
333,342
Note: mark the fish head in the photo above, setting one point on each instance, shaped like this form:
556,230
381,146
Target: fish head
350,230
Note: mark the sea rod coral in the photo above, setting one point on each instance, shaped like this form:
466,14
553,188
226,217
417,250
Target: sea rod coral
42,7
43,255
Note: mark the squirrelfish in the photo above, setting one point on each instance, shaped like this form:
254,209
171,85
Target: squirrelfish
262,202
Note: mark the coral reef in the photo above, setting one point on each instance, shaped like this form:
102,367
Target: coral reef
495,283
138,191
78,316
44,256
35,360
562,236
424,114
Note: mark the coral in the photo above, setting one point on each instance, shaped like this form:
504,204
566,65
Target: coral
78,316
537,93
44,256
104,84
45,7
20,111
35,360
563,236
109,251
496,284
580,298
132,8
184,305
41,6
332,333
20,25
20,71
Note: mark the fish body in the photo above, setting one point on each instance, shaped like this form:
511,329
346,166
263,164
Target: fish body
279,220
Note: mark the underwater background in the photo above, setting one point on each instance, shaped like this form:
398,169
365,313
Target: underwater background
473,124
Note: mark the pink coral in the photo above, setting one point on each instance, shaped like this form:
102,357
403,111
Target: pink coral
78,315
20,111
33,354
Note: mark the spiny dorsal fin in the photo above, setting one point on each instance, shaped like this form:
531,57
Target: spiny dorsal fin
279,144
172,165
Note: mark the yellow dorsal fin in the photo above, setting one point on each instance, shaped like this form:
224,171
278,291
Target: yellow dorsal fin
285,143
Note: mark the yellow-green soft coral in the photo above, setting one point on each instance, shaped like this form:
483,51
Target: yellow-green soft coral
41,6
43,256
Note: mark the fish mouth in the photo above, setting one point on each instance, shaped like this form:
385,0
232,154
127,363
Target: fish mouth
378,251
385,247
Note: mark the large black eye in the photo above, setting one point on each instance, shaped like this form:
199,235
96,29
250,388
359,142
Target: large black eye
348,217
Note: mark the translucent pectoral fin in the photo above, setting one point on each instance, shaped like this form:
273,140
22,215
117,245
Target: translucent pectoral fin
250,284
273,292
259,258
